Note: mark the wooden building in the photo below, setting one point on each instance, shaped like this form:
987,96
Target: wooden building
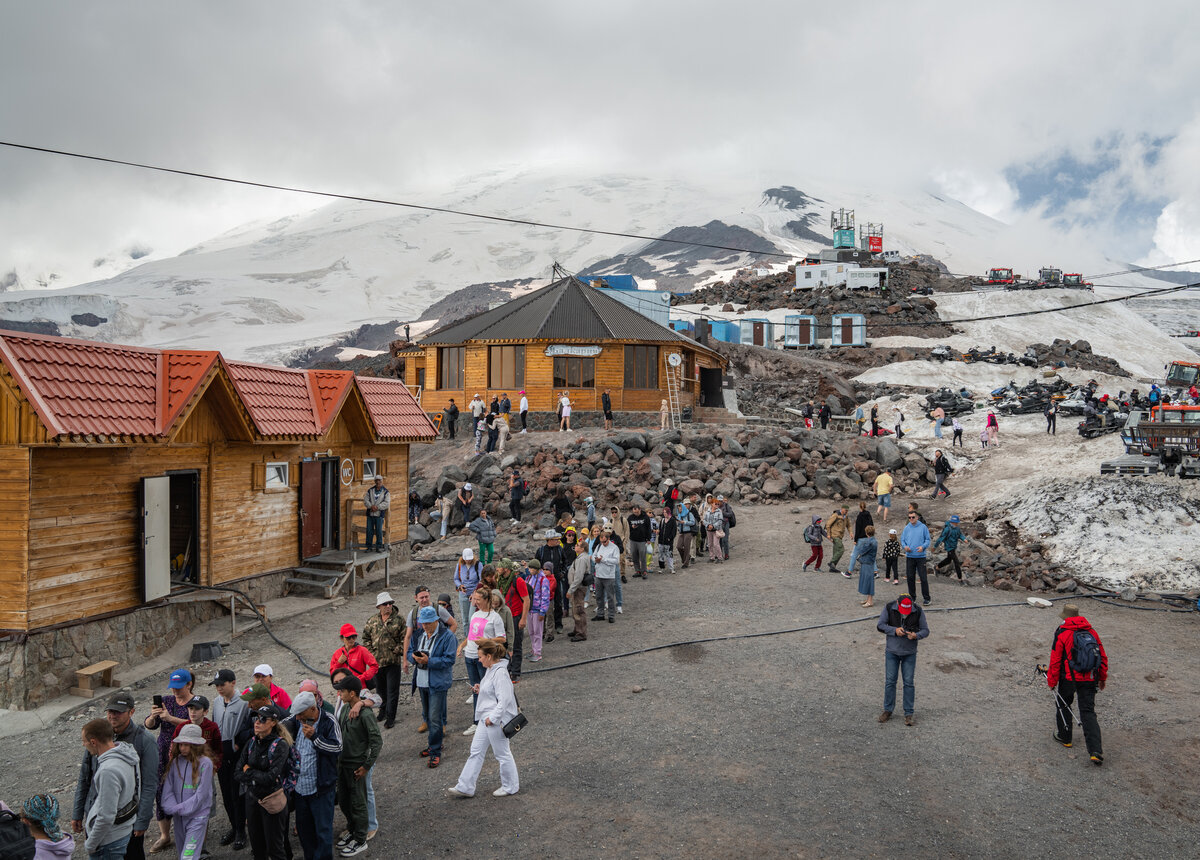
567,336
123,469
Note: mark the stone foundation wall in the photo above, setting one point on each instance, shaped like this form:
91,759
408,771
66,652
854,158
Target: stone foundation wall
579,421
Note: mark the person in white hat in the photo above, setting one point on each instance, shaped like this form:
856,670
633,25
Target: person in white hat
891,558
466,579
383,636
465,497
187,794
264,674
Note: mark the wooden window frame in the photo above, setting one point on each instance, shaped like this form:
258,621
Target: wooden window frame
642,375
276,486
497,380
586,366
445,382
369,475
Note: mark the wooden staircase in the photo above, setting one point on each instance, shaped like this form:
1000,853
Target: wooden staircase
715,415
333,569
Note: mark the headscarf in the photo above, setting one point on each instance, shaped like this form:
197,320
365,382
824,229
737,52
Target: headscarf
42,810
506,574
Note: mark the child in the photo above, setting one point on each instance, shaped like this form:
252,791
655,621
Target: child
187,793
198,713
591,512
983,437
540,591
813,536
444,602
891,558
445,504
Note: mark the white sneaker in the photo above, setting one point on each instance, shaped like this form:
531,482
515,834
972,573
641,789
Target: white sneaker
620,610
470,731
502,792
524,431
470,700
454,792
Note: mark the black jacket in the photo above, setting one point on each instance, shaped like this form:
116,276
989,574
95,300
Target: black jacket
554,555
327,742
861,522
667,530
266,768
941,466
639,527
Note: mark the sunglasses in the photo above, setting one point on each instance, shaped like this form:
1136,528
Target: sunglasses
389,603
259,718
912,516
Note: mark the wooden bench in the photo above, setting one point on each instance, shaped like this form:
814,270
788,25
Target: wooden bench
94,678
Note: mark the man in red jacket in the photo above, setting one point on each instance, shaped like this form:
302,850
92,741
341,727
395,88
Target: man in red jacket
1078,664
354,657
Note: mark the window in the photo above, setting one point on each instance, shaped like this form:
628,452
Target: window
370,469
574,372
451,360
808,276
506,367
276,476
641,367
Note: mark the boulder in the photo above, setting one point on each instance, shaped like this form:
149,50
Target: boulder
419,534
617,449
762,445
1066,586
480,465
632,440
888,455
775,486
732,446
691,485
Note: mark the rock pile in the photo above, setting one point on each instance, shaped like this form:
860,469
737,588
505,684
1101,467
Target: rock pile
1078,354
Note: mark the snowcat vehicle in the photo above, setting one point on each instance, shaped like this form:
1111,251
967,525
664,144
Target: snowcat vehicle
1076,281
1000,277
1165,438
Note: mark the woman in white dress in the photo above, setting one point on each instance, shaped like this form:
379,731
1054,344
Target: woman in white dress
497,705
565,403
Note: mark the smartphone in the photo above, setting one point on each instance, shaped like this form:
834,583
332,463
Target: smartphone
158,701
420,653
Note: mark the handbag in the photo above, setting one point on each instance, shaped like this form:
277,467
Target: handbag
516,723
275,802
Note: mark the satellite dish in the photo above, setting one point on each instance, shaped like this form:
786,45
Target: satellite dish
674,359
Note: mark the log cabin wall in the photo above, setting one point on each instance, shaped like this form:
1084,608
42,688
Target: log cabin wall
14,537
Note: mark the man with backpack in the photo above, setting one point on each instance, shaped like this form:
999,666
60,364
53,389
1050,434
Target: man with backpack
1078,665
814,535
729,518
109,818
904,624
318,744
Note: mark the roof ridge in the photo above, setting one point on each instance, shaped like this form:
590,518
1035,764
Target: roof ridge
587,297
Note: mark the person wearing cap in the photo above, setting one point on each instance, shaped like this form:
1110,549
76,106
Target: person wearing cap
433,650
422,597
40,814
167,717
466,579
231,713
836,527
577,585
607,559
262,769
914,541
109,819
119,713
361,743
729,519
949,538
466,496
198,716
891,558
377,500
497,704
552,551
1069,672
264,674
524,409
353,656
904,625
485,533
516,494
188,790
383,636
540,601
476,406
318,739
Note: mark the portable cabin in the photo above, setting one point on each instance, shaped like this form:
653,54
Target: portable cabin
825,274
758,331
726,331
849,330
800,331
873,278
682,326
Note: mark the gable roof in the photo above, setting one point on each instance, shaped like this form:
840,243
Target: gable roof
567,309
81,388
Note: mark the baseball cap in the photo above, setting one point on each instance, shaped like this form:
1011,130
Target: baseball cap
954,519
905,605
224,676
468,554
268,711
198,702
351,682
257,691
180,678
444,598
427,615
264,669
121,703
302,703
382,598
348,630
891,531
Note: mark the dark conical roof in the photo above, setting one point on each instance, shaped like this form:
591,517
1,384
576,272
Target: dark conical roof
567,309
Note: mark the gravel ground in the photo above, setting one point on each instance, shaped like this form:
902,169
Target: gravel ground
769,745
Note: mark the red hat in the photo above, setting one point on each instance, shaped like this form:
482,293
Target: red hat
348,630
905,605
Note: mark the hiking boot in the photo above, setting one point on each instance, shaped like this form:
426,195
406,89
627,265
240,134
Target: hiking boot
806,567
424,727
1054,737
908,720
1097,759
885,716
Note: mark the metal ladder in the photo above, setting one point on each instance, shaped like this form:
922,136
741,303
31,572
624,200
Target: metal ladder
674,382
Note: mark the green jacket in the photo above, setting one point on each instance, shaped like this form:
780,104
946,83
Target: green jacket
361,739
385,640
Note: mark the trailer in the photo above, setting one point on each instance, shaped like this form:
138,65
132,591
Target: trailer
800,331
849,330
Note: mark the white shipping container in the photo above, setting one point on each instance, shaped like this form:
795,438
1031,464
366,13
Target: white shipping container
823,275
865,279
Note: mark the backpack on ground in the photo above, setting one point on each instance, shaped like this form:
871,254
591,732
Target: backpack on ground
16,842
1085,652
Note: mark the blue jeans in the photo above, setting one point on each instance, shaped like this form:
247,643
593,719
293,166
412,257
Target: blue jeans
620,602
372,821
445,524
111,851
314,822
907,665
465,609
433,712
474,675
374,532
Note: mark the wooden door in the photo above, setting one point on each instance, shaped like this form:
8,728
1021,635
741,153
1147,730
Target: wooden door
805,336
156,538
759,338
847,331
310,509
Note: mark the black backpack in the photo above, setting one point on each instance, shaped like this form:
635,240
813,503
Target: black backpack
16,842
1085,652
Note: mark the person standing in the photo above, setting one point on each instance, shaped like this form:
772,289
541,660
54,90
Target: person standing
445,506
516,494
606,406
524,408
729,521
552,552
639,536
377,500
40,814
486,623
451,413
814,536
577,586
263,770
318,740
167,717
668,529
432,652
823,415
663,415
949,538
882,488
914,541
113,803
899,428
1078,666
1051,414
838,523
607,559
361,743
515,593
232,716
861,522
958,431
858,418
938,415
119,713
540,601
564,405
466,579
496,705
466,497
485,533
993,430
353,656
687,534
505,404
891,558
874,419
210,731
714,529
904,625
383,636
477,408
188,793
941,471
865,551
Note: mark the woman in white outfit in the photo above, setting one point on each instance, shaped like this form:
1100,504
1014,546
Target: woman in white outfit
565,403
497,705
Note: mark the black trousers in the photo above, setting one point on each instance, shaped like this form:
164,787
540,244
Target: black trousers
514,662
957,439
914,567
1051,422
387,684
231,799
267,833
1067,689
891,568
136,849
560,596
524,415
951,558
450,422
514,506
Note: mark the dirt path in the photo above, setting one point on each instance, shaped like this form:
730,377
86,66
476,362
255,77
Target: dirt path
769,746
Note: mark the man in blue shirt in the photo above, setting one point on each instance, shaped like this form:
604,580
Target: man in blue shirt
319,742
914,540
432,651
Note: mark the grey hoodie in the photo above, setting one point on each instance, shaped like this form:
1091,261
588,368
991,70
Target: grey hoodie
115,782
147,749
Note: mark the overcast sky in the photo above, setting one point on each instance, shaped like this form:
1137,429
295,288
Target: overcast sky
1086,115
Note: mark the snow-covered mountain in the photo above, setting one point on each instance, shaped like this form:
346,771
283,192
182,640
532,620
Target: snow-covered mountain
265,291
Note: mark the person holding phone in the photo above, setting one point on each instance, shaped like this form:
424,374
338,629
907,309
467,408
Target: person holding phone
432,653
168,713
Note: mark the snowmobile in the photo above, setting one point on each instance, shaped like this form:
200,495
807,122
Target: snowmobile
1100,424
941,352
1029,359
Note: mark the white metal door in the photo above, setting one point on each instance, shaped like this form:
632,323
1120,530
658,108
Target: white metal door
156,538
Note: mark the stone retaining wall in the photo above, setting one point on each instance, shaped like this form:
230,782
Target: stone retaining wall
579,420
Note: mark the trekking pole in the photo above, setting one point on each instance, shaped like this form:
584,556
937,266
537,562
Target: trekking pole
1041,670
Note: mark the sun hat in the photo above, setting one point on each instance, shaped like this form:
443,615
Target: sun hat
954,519
427,615
467,486
347,630
189,734
382,598
1069,610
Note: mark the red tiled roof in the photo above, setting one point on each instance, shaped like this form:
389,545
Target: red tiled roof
330,388
393,410
185,371
279,399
